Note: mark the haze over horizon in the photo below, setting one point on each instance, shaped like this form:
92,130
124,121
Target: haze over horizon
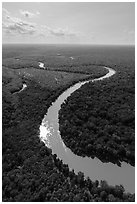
69,23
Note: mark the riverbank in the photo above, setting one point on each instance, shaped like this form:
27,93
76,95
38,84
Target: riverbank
107,130
31,171
50,135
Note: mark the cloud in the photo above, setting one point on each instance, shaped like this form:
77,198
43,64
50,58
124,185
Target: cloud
5,11
18,28
37,12
128,35
129,32
28,14
60,32
14,25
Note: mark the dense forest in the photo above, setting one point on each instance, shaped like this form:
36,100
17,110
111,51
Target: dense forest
30,172
100,117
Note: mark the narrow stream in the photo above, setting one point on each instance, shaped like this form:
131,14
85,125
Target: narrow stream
94,168
23,87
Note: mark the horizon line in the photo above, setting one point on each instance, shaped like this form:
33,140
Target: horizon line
73,44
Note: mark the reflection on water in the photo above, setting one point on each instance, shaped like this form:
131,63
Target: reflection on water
41,65
71,58
23,87
94,168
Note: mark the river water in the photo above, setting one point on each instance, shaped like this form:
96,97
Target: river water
23,87
41,65
94,168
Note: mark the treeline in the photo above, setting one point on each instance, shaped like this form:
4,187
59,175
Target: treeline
100,117
30,171
91,69
75,67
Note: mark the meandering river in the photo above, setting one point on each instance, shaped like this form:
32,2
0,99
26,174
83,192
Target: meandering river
94,168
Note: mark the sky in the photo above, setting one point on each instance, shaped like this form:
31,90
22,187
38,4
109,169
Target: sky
110,23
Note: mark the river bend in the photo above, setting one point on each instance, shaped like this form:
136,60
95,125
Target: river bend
94,168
